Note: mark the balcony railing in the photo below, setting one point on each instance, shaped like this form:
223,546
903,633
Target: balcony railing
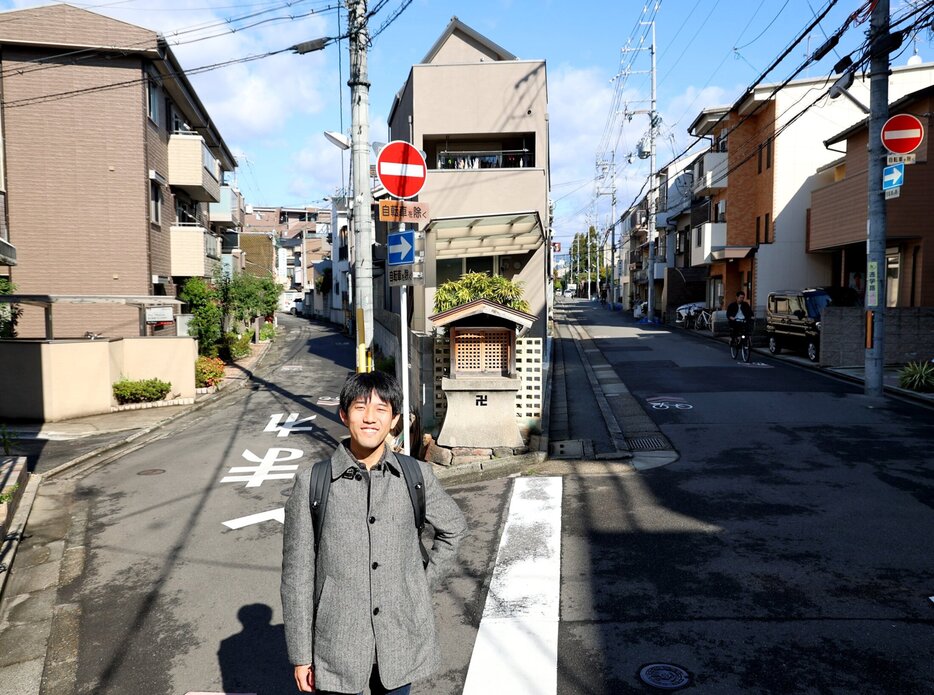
229,211
7,253
486,159
193,168
189,247
710,173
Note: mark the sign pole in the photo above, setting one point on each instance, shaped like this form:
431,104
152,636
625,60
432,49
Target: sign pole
404,309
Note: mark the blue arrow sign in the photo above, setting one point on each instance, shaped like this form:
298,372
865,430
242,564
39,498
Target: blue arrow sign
402,248
893,176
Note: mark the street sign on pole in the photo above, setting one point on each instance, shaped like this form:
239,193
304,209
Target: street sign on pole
401,169
401,247
893,176
902,133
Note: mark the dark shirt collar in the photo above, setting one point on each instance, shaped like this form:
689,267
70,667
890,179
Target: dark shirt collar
343,459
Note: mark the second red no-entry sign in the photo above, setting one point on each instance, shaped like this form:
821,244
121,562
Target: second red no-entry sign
401,169
902,133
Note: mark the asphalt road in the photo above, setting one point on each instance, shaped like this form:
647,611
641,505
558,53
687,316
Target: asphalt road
787,551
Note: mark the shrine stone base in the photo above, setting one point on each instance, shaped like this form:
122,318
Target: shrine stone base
481,413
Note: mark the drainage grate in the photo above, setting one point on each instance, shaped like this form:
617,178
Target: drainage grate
665,676
648,444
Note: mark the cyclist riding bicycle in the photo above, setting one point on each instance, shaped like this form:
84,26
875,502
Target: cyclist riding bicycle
738,313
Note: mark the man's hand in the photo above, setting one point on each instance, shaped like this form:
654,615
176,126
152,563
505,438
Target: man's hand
305,678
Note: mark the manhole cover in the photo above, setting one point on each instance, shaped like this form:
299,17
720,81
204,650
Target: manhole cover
152,471
665,676
647,444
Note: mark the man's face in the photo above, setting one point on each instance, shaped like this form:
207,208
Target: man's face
740,298
369,421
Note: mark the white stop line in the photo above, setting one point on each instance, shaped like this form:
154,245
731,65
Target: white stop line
516,651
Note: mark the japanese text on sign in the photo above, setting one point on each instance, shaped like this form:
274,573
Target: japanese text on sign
398,211
400,276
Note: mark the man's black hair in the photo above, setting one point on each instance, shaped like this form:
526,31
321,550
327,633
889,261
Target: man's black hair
740,292
363,384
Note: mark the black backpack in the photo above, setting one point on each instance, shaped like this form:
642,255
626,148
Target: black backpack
321,486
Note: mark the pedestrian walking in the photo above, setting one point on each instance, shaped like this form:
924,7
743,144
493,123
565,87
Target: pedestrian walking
356,595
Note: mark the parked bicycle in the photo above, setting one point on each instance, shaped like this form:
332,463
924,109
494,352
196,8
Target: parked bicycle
742,343
702,319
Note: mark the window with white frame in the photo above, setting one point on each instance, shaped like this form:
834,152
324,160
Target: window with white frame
155,202
154,102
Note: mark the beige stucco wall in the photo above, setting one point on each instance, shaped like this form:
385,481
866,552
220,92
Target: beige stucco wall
186,168
66,379
188,251
171,359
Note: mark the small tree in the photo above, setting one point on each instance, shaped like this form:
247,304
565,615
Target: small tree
9,313
207,314
473,286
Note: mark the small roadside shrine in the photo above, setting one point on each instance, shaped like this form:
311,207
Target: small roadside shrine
482,386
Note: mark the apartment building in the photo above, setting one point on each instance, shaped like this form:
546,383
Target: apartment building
837,223
481,116
753,186
101,125
299,238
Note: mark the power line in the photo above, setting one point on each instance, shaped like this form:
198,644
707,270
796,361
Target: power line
44,63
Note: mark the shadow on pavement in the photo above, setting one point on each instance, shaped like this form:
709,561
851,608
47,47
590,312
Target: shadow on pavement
255,660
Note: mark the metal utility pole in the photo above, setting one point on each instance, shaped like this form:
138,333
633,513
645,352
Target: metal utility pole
362,200
875,246
610,167
653,195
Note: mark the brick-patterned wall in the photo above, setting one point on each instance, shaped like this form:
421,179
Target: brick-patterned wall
749,194
157,159
909,335
77,188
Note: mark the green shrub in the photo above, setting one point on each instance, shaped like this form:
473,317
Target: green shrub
917,376
140,391
8,495
238,346
208,371
267,331
206,314
473,286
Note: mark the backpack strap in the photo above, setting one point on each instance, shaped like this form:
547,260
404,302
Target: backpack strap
415,482
318,497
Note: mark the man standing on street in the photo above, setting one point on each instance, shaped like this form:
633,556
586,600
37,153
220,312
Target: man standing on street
357,601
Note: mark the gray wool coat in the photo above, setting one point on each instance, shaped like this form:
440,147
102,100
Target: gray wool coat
370,593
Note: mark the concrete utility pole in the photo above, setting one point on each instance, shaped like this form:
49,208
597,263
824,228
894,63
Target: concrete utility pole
610,167
875,246
362,200
653,195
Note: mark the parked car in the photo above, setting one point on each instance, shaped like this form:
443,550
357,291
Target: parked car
793,317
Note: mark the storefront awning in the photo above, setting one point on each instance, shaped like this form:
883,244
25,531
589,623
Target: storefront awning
729,253
486,235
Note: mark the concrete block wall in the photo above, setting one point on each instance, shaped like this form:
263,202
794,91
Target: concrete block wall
909,336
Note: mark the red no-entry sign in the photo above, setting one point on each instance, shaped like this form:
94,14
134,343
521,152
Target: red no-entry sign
401,169
902,134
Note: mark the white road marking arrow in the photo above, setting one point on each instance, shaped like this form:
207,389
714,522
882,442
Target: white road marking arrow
271,515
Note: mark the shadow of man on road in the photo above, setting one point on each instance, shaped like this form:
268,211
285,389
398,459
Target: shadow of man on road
255,660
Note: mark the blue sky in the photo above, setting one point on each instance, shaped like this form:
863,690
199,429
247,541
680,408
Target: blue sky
272,112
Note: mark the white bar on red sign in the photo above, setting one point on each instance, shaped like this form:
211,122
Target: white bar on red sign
902,134
399,169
